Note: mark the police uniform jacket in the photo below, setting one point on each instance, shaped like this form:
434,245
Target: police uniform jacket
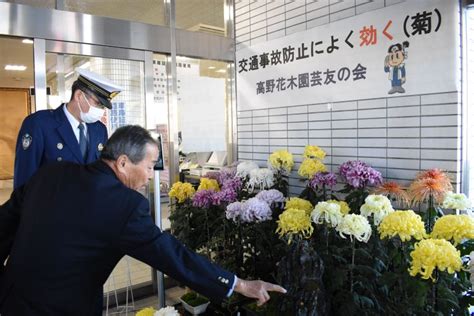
73,224
46,136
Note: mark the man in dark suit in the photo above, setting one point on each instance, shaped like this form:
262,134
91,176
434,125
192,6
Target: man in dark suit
72,132
66,229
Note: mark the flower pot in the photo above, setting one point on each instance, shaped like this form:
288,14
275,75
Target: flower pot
195,310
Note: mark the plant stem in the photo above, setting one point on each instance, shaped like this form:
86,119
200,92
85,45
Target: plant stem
435,291
254,252
208,235
428,212
352,266
327,239
240,259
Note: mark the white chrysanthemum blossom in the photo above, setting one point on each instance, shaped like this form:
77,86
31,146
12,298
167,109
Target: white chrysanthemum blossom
356,226
377,205
456,201
166,311
260,179
245,167
327,212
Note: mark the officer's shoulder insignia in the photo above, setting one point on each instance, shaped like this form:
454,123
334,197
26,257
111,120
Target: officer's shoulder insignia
100,147
26,141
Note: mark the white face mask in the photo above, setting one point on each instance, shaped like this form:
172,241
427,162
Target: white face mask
94,113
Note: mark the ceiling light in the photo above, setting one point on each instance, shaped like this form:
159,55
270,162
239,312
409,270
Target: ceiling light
211,67
27,41
221,70
15,67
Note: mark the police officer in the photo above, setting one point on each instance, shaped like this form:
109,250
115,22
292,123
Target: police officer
72,132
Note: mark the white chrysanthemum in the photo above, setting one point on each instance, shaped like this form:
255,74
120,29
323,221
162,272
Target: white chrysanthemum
456,201
260,179
166,311
327,212
245,167
377,205
356,226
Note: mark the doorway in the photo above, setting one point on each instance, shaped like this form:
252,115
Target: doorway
16,79
124,67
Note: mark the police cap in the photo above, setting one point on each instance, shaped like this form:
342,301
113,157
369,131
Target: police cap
102,87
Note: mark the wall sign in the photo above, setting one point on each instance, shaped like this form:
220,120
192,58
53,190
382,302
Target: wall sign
404,49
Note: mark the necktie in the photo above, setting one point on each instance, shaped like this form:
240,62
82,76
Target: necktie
82,140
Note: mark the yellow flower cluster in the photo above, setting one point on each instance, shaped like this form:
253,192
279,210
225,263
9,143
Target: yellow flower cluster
165,311
309,167
300,204
430,254
312,152
454,227
208,184
294,222
344,207
281,159
148,311
181,191
405,224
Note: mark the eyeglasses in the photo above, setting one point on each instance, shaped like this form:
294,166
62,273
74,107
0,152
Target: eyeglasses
95,102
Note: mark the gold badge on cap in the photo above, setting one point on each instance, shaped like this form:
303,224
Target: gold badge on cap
100,147
59,146
26,141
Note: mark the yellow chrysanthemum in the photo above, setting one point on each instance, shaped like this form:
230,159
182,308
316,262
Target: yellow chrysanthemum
208,184
281,159
312,152
430,254
454,227
344,207
181,191
404,224
300,204
294,222
309,167
356,226
149,311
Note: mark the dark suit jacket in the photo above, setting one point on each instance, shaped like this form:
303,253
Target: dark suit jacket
46,136
74,223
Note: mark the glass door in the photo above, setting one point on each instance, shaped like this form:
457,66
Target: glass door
126,68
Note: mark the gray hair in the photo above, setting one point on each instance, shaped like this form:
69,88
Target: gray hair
129,140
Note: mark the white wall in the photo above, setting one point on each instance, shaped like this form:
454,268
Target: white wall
398,134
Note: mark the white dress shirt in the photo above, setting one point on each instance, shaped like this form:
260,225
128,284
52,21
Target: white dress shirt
74,123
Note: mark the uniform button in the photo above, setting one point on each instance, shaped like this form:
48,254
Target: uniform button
59,159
